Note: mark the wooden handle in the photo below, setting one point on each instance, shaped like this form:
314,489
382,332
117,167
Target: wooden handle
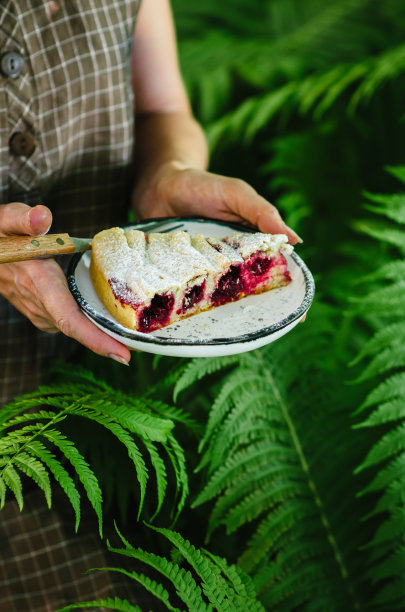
21,248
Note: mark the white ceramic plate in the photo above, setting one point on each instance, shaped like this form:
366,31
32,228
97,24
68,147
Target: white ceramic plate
236,327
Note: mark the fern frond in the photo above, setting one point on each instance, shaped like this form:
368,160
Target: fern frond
386,300
178,462
235,382
11,478
198,368
186,587
60,474
30,429
212,584
3,491
389,65
380,340
391,357
150,585
397,171
82,469
110,603
240,462
387,234
389,445
391,388
35,470
125,438
391,206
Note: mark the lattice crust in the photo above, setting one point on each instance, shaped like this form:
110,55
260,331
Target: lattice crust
148,281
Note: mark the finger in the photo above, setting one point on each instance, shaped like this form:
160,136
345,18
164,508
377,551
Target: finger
19,218
67,317
248,204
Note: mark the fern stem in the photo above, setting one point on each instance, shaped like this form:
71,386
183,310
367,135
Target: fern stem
305,467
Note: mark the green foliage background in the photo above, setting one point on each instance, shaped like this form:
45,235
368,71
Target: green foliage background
285,466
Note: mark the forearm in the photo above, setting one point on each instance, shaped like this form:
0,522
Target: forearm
162,141
169,137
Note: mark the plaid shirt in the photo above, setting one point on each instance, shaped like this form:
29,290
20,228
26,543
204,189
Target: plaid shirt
73,96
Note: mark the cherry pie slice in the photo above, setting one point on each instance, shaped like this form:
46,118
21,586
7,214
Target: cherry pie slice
148,281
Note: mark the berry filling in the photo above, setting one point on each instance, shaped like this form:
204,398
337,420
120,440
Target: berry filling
229,287
192,297
123,293
157,314
259,266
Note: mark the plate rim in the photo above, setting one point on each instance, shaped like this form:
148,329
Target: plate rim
137,336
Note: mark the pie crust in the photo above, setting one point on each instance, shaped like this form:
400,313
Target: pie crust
148,281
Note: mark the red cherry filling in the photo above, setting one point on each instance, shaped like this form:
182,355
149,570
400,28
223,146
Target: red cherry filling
157,314
192,297
259,266
123,293
230,285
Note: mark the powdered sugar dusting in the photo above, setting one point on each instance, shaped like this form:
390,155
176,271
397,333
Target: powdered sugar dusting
166,263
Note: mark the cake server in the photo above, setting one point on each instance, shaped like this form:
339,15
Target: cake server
22,248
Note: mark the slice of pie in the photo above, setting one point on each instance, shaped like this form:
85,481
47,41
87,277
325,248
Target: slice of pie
148,281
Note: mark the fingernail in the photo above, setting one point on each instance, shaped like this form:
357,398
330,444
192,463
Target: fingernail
37,216
118,358
293,234
298,238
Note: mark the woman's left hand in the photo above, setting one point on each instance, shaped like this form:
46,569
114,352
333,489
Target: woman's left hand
176,190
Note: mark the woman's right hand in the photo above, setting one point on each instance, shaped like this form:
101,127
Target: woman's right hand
38,288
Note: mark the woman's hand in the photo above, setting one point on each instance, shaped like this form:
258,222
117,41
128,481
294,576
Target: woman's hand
38,288
176,190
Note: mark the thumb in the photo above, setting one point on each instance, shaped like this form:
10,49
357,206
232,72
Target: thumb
19,218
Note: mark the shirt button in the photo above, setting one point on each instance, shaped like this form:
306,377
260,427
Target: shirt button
22,143
11,64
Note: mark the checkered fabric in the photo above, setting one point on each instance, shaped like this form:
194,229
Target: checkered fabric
74,97
44,563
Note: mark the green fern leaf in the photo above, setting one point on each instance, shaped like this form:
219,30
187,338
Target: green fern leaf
236,381
239,463
392,270
198,368
387,66
256,405
83,470
160,473
135,421
389,445
389,476
186,587
387,234
397,171
240,582
279,521
115,603
386,300
392,357
13,482
178,461
220,592
125,438
390,206
60,474
3,491
387,412
393,387
150,585
35,470
381,339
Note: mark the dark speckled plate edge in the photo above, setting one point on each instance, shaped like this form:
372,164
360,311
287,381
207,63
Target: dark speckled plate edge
124,332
